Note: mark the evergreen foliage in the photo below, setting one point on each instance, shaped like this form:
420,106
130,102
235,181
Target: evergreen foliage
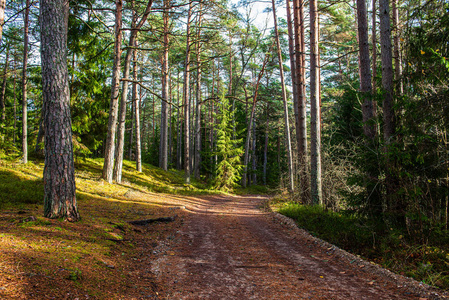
228,152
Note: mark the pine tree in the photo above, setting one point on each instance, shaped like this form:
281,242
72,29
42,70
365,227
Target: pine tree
229,167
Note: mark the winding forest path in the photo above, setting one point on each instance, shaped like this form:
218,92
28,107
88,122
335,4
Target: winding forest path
228,248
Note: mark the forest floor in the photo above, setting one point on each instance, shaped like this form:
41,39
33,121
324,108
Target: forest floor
231,248
214,246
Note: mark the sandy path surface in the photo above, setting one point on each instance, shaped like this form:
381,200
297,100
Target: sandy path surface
228,248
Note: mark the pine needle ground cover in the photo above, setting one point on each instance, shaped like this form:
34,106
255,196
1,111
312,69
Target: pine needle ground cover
100,257
425,259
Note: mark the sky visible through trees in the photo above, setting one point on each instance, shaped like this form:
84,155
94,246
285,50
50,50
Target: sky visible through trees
364,112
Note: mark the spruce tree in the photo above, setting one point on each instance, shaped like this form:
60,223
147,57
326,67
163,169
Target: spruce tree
229,165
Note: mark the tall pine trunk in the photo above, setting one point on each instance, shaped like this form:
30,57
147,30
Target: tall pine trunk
187,101
113,107
291,185
397,49
3,90
295,84
197,168
394,206
24,84
59,171
369,127
315,109
137,105
15,103
300,78
163,147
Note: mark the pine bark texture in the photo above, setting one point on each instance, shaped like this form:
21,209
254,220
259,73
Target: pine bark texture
59,171
113,108
291,185
387,70
291,50
369,127
315,109
24,84
298,13
163,147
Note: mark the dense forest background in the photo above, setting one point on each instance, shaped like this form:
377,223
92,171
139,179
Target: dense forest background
356,119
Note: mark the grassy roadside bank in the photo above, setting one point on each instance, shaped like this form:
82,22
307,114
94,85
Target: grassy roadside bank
424,257
100,257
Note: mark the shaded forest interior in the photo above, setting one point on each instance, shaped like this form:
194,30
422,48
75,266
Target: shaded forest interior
342,105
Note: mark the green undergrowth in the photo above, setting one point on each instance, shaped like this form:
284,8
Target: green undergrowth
98,256
425,259
22,184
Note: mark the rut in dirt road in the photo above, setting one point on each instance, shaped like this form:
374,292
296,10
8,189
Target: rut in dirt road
230,249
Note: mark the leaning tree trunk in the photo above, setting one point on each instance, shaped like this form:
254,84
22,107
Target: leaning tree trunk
315,122
24,85
119,153
253,112
123,102
3,90
59,171
113,107
291,185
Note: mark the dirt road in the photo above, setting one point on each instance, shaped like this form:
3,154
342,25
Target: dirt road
228,248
